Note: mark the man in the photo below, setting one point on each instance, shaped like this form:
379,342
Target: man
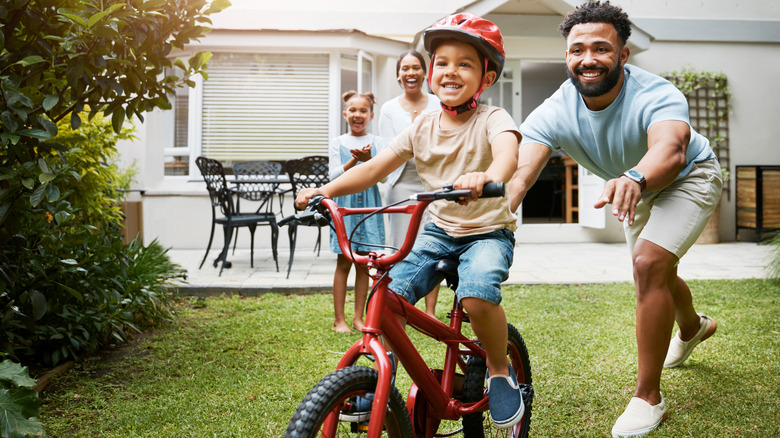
631,128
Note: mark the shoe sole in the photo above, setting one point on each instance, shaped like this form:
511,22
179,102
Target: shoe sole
506,424
355,417
640,432
710,332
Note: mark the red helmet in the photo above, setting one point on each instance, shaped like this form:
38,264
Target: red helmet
480,33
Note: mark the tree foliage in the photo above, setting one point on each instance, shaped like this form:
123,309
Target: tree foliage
59,58
71,72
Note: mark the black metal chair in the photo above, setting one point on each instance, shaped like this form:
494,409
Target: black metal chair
222,198
250,186
305,172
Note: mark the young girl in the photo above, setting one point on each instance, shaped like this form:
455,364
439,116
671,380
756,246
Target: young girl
345,152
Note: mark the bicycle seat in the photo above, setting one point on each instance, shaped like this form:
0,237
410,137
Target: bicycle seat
448,268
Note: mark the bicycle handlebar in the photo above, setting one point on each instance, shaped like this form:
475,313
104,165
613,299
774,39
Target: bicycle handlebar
321,210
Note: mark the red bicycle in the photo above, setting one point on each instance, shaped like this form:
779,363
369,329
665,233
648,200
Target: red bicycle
356,400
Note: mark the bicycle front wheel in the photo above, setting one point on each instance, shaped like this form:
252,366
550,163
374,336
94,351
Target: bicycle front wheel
479,425
335,393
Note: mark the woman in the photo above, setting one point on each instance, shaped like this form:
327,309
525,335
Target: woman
395,116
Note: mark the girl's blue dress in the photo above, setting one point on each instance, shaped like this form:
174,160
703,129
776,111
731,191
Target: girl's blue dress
372,231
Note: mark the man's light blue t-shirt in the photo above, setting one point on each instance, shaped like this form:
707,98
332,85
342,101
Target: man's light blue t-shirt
613,140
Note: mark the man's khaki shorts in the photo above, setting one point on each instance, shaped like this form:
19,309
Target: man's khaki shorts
674,217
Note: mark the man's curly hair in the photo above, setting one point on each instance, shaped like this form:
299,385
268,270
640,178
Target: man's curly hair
598,12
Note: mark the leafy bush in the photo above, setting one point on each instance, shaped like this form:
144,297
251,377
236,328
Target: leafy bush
68,283
18,403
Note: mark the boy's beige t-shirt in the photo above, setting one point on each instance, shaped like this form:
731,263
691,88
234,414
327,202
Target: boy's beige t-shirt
443,155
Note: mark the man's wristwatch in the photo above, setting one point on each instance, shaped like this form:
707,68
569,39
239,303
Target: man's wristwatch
637,177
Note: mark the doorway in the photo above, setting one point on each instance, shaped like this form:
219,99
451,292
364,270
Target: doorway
553,198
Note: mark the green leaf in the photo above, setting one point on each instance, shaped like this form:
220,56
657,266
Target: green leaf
48,125
15,374
179,63
50,101
75,120
44,166
19,413
52,192
113,8
37,195
118,119
74,293
9,121
38,301
4,209
30,60
46,177
218,5
6,138
35,133
73,17
97,17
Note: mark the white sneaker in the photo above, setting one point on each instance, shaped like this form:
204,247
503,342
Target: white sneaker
679,350
639,418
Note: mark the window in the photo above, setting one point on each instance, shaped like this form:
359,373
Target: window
265,107
177,152
356,74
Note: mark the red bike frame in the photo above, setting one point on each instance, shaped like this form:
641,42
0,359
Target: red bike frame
437,389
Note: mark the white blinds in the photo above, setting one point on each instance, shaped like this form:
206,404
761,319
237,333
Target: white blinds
265,106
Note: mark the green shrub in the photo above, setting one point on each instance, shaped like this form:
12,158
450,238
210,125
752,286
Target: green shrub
18,403
68,283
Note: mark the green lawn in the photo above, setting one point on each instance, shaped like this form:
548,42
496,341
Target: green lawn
237,367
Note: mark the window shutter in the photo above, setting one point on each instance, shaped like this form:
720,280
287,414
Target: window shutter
265,106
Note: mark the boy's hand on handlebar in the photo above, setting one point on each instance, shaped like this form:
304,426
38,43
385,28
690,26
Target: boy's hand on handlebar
471,181
302,200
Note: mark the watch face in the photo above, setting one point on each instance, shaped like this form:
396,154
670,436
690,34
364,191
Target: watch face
634,174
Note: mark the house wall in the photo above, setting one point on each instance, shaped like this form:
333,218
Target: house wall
752,71
176,210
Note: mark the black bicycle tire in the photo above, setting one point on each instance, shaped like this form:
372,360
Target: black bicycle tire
474,387
335,388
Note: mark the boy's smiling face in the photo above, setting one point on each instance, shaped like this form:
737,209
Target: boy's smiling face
457,72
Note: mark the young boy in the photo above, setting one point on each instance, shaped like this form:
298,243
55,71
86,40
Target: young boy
467,145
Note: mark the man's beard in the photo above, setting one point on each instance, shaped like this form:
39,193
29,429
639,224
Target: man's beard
598,88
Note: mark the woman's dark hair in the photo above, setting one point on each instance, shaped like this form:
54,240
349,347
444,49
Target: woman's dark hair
414,53
598,12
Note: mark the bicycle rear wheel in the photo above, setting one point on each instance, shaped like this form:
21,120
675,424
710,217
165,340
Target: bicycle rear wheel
335,392
479,425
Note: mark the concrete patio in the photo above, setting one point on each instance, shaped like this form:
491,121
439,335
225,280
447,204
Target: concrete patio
533,264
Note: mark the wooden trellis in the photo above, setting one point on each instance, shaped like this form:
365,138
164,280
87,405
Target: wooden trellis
708,102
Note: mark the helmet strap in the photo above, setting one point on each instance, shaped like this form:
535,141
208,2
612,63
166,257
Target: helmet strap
465,106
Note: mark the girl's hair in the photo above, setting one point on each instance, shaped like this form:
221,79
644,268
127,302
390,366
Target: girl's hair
369,96
414,53
598,12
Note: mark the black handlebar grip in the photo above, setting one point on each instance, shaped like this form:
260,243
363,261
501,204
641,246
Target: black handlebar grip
493,190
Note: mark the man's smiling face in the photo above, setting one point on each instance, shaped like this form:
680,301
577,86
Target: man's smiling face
595,58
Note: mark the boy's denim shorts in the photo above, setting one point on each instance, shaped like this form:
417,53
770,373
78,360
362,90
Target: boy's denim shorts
484,264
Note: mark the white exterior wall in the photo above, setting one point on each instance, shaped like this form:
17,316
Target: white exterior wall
176,210
752,71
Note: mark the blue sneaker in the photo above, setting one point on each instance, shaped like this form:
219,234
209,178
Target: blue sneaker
506,400
359,409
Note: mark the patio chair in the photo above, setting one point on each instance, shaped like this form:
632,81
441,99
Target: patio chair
221,197
305,172
248,177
